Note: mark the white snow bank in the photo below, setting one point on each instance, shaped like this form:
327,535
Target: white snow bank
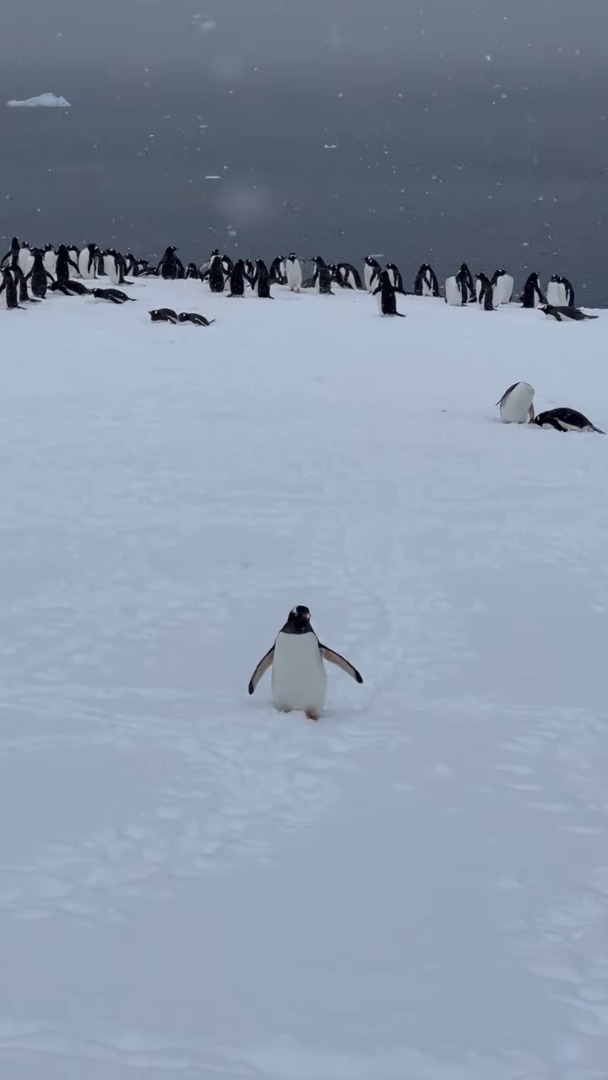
47,101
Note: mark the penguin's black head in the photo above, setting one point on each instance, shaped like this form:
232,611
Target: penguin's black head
298,619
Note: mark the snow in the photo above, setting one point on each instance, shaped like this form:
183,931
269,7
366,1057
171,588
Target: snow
42,101
416,887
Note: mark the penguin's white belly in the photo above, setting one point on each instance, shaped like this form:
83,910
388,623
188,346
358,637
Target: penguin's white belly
299,678
452,293
294,275
111,269
556,294
504,289
515,409
50,262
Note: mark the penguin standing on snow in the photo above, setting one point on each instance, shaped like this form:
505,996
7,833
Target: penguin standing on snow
277,271
485,292
350,277
565,420
298,674
371,272
262,280
170,267
459,289
88,261
293,273
388,295
532,295
215,274
321,279
426,283
39,276
63,263
502,283
12,255
9,288
516,404
237,278
560,292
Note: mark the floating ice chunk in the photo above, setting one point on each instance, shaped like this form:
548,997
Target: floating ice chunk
42,101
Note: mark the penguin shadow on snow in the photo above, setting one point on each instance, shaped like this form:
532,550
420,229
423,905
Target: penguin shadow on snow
297,662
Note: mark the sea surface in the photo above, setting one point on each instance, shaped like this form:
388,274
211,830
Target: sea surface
412,167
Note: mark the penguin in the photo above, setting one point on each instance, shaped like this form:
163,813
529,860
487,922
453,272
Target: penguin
565,420
113,296
170,266
74,288
502,283
485,292
351,278
516,404
206,266
237,279
387,294
9,288
532,295
560,292
321,279
192,273
249,271
227,265
88,261
396,279
39,276
298,675
25,259
111,266
293,273
21,282
131,265
460,290
163,314
262,280
12,255
192,317
371,272
426,283
215,274
74,253
564,312
49,257
277,271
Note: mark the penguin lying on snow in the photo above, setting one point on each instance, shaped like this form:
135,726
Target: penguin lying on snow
163,314
193,317
298,673
565,420
516,404
113,296
561,312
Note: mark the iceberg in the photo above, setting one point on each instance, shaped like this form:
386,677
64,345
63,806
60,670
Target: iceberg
43,100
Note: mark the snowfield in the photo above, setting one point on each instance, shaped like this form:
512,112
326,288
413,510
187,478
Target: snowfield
193,886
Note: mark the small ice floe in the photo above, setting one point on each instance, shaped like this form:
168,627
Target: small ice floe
46,101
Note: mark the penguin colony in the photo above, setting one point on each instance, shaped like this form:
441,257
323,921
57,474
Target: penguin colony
297,657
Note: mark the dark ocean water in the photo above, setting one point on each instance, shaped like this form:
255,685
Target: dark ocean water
513,174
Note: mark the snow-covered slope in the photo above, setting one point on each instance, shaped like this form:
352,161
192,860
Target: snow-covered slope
416,887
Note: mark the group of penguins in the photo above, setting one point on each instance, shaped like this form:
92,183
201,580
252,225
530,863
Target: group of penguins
516,408
28,273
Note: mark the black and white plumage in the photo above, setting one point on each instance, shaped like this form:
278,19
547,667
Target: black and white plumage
194,317
293,272
460,289
262,280
387,295
485,292
563,419
39,276
502,284
425,283
299,678
371,272
395,277
516,404
321,278
564,312
170,266
111,296
277,271
560,292
8,290
237,279
532,295
163,314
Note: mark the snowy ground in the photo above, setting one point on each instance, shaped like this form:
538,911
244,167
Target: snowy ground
191,886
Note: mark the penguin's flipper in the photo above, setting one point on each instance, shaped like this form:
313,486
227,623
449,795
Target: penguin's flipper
335,658
263,666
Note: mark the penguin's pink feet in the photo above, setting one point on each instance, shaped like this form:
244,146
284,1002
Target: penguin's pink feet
312,715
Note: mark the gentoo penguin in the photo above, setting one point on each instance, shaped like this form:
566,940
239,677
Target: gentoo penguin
237,278
115,266
49,257
72,288
39,276
206,266
426,283
170,267
298,673
249,271
293,273
192,272
564,312
88,261
516,404
74,253
193,317
565,420
25,259
502,283
113,296
215,274
395,277
532,295
21,282
277,271
371,272
485,292
12,255
460,289
9,288
321,279
227,265
560,292
262,280
350,276
163,314
386,292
